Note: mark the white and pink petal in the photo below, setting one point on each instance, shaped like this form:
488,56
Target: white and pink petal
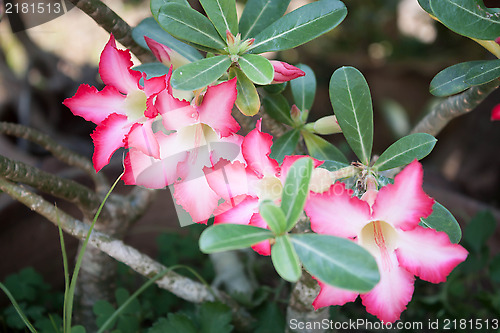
256,148
238,210
330,295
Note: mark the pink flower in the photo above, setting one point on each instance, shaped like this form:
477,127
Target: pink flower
200,136
122,107
165,54
244,186
495,113
285,72
390,230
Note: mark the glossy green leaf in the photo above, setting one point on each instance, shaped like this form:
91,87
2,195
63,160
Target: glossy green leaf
285,259
304,88
295,190
321,149
285,145
259,14
405,150
337,261
257,68
277,107
333,165
149,27
222,13
248,101
442,220
468,18
451,80
352,104
155,5
276,88
425,4
187,24
201,73
300,26
274,217
224,237
483,73
152,69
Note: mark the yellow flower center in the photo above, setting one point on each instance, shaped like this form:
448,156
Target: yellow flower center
269,188
135,105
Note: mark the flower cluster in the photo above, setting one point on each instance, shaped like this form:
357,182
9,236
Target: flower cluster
194,146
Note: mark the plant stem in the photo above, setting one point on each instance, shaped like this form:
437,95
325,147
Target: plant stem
58,151
66,189
453,107
114,24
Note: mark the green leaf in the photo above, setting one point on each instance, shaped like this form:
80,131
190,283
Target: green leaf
277,107
333,165
257,68
285,259
275,88
300,26
479,230
187,24
442,220
155,5
149,27
295,190
451,80
468,18
122,295
199,74
425,4
304,88
248,101
270,319
215,317
274,217
174,323
259,14
152,69
78,329
285,145
321,149
405,150
352,104
224,237
222,13
483,73
337,261
103,310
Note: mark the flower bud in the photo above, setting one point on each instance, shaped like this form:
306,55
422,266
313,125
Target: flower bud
327,125
166,55
285,72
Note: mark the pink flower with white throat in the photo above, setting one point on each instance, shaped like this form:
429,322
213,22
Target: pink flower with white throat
200,133
389,229
123,108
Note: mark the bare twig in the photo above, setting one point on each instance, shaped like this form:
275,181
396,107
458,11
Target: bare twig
453,107
60,152
114,24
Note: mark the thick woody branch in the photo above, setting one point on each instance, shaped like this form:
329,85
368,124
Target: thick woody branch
453,107
66,189
114,24
177,284
58,151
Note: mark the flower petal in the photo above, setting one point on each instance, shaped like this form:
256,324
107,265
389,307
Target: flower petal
196,197
245,206
228,148
428,253
227,179
403,203
256,148
114,68
394,291
335,212
285,72
289,160
264,247
94,105
141,169
215,110
330,295
175,119
141,136
495,113
166,55
108,137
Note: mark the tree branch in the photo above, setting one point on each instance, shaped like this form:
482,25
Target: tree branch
58,151
177,284
453,107
112,23
66,189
